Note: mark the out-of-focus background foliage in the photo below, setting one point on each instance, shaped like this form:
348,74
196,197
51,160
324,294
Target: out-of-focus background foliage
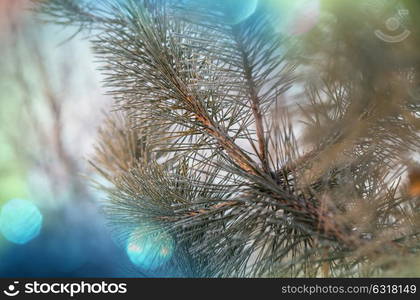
51,104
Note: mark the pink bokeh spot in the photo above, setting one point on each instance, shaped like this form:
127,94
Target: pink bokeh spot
305,18
304,21
296,17
10,11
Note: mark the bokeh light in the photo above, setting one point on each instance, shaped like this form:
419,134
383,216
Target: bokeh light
10,10
236,11
20,221
296,17
149,249
239,10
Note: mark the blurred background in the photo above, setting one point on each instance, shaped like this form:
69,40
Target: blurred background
51,104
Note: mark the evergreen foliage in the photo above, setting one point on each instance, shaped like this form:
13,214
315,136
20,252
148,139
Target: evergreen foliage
258,153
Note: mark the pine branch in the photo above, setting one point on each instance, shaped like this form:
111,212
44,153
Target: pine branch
199,154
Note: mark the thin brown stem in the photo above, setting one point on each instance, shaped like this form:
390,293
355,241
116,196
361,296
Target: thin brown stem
256,111
254,103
